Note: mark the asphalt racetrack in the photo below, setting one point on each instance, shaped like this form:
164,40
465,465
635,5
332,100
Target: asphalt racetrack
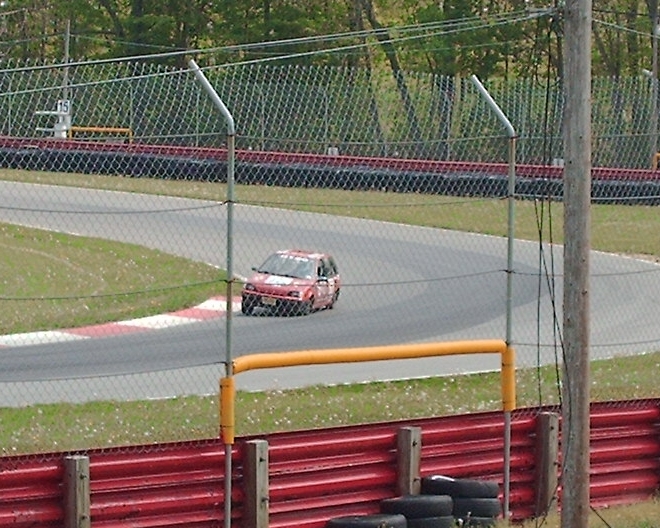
403,284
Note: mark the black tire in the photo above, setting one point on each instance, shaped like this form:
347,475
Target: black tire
306,307
419,506
378,520
481,522
446,521
247,307
287,309
334,300
465,488
482,507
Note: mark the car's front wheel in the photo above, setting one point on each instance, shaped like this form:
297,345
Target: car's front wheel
247,307
306,306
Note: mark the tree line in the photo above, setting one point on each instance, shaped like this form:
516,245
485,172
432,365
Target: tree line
489,38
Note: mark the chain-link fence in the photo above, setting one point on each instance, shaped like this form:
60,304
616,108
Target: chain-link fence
394,188
313,109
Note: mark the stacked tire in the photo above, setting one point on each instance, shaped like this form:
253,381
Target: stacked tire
475,502
376,520
444,502
408,511
422,511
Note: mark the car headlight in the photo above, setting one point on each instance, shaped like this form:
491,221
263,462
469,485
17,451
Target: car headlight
250,287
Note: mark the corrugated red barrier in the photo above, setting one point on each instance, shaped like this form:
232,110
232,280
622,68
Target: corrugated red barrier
31,491
171,485
316,475
625,453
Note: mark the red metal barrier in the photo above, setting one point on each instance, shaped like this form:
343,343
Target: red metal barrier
472,446
625,452
168,485
31,491
316,475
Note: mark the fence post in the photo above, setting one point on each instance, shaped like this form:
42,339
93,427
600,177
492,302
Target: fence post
76,492
255,476
409,454
547,451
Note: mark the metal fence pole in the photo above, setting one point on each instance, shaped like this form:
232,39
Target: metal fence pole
509,274
231,154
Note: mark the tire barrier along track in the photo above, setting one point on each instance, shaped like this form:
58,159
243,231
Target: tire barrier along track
620,186
444,502
422,511
475,502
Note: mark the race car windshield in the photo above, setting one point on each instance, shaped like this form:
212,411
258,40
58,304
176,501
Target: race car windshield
288,266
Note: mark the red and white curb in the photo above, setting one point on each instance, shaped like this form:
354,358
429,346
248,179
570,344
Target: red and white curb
210,309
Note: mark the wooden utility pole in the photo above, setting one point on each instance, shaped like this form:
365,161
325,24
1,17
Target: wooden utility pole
577,199
653,15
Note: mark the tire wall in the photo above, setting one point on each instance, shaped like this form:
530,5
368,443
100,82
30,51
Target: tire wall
625,186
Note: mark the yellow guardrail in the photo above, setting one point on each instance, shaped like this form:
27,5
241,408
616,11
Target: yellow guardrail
355,355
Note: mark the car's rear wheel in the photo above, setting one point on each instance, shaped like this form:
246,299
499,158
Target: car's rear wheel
334,300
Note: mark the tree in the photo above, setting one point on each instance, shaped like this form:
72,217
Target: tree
618,52
467,38
282,26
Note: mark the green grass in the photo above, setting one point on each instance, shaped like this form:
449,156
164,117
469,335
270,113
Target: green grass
52,280
95,266
41,428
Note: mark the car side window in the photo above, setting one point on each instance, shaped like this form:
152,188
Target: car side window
331,267
327,268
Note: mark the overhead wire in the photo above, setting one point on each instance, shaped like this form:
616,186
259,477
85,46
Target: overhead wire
222,66
410,32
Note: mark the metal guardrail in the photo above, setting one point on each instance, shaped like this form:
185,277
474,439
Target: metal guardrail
72,131
316,473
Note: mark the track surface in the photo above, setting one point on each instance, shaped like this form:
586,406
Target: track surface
403,284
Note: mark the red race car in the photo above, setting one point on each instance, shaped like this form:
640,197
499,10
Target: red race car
292,281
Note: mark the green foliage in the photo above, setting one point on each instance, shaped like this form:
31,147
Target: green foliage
472,38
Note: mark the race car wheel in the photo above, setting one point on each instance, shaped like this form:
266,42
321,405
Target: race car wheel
306,306
247,307
334,300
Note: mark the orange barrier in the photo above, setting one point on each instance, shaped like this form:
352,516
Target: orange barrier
101,130
354,355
